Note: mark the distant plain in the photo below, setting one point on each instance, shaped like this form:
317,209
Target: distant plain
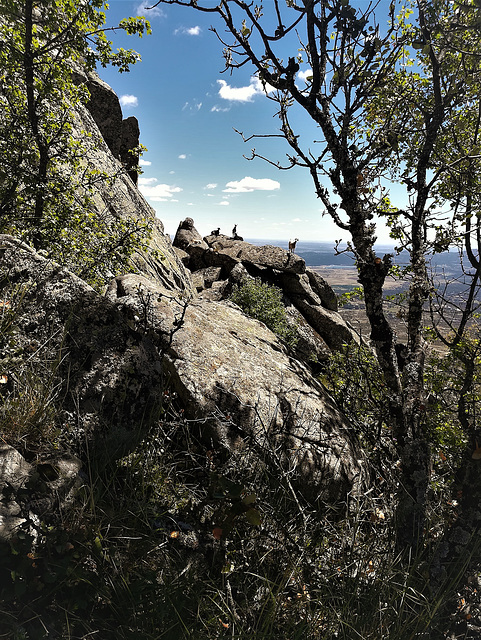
338,268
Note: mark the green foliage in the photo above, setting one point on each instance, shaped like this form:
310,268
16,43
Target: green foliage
444,382
234,502
263,302
357,293
46,183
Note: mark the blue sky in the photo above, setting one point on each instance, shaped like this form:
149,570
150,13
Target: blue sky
187,111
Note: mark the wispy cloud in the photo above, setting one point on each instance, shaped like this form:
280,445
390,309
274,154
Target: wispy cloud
188,31
217,109
224,203
144,163
183,156
211,185
128,101
243,94
143,10
248,184
192,106
157,192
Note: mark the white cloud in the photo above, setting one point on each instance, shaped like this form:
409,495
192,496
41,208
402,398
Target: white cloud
182,156
144,163
129,101
211,185
188,31
143,10
303,75
248,184
243,94
157,192
224,203
237,94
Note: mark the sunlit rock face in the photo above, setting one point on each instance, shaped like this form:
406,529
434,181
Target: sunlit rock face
107,139
241,389
162,326
116,354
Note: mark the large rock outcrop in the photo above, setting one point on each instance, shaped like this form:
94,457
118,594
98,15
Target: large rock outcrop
217,262
234,379
238,384
121,135
104,106
112,357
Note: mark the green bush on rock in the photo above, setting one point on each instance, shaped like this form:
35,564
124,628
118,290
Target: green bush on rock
264,302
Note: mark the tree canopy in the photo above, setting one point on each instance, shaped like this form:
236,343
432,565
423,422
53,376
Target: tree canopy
45,179
394,92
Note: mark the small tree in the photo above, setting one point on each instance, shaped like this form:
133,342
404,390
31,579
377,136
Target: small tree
45,181
398,101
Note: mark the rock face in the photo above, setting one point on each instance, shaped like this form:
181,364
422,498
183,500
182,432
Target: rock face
188,236
130,140
110,137
120,135
236,381
310,301
109,370
112,357
104,106
29,491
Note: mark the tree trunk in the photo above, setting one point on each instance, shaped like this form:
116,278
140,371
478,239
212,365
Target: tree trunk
42,147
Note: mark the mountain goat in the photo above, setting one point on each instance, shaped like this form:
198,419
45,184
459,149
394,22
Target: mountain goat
292,245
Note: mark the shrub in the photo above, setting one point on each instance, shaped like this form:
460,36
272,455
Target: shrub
264,302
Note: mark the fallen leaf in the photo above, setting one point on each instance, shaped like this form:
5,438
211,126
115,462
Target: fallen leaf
249,498
217,533
377,515
253,517
477,452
